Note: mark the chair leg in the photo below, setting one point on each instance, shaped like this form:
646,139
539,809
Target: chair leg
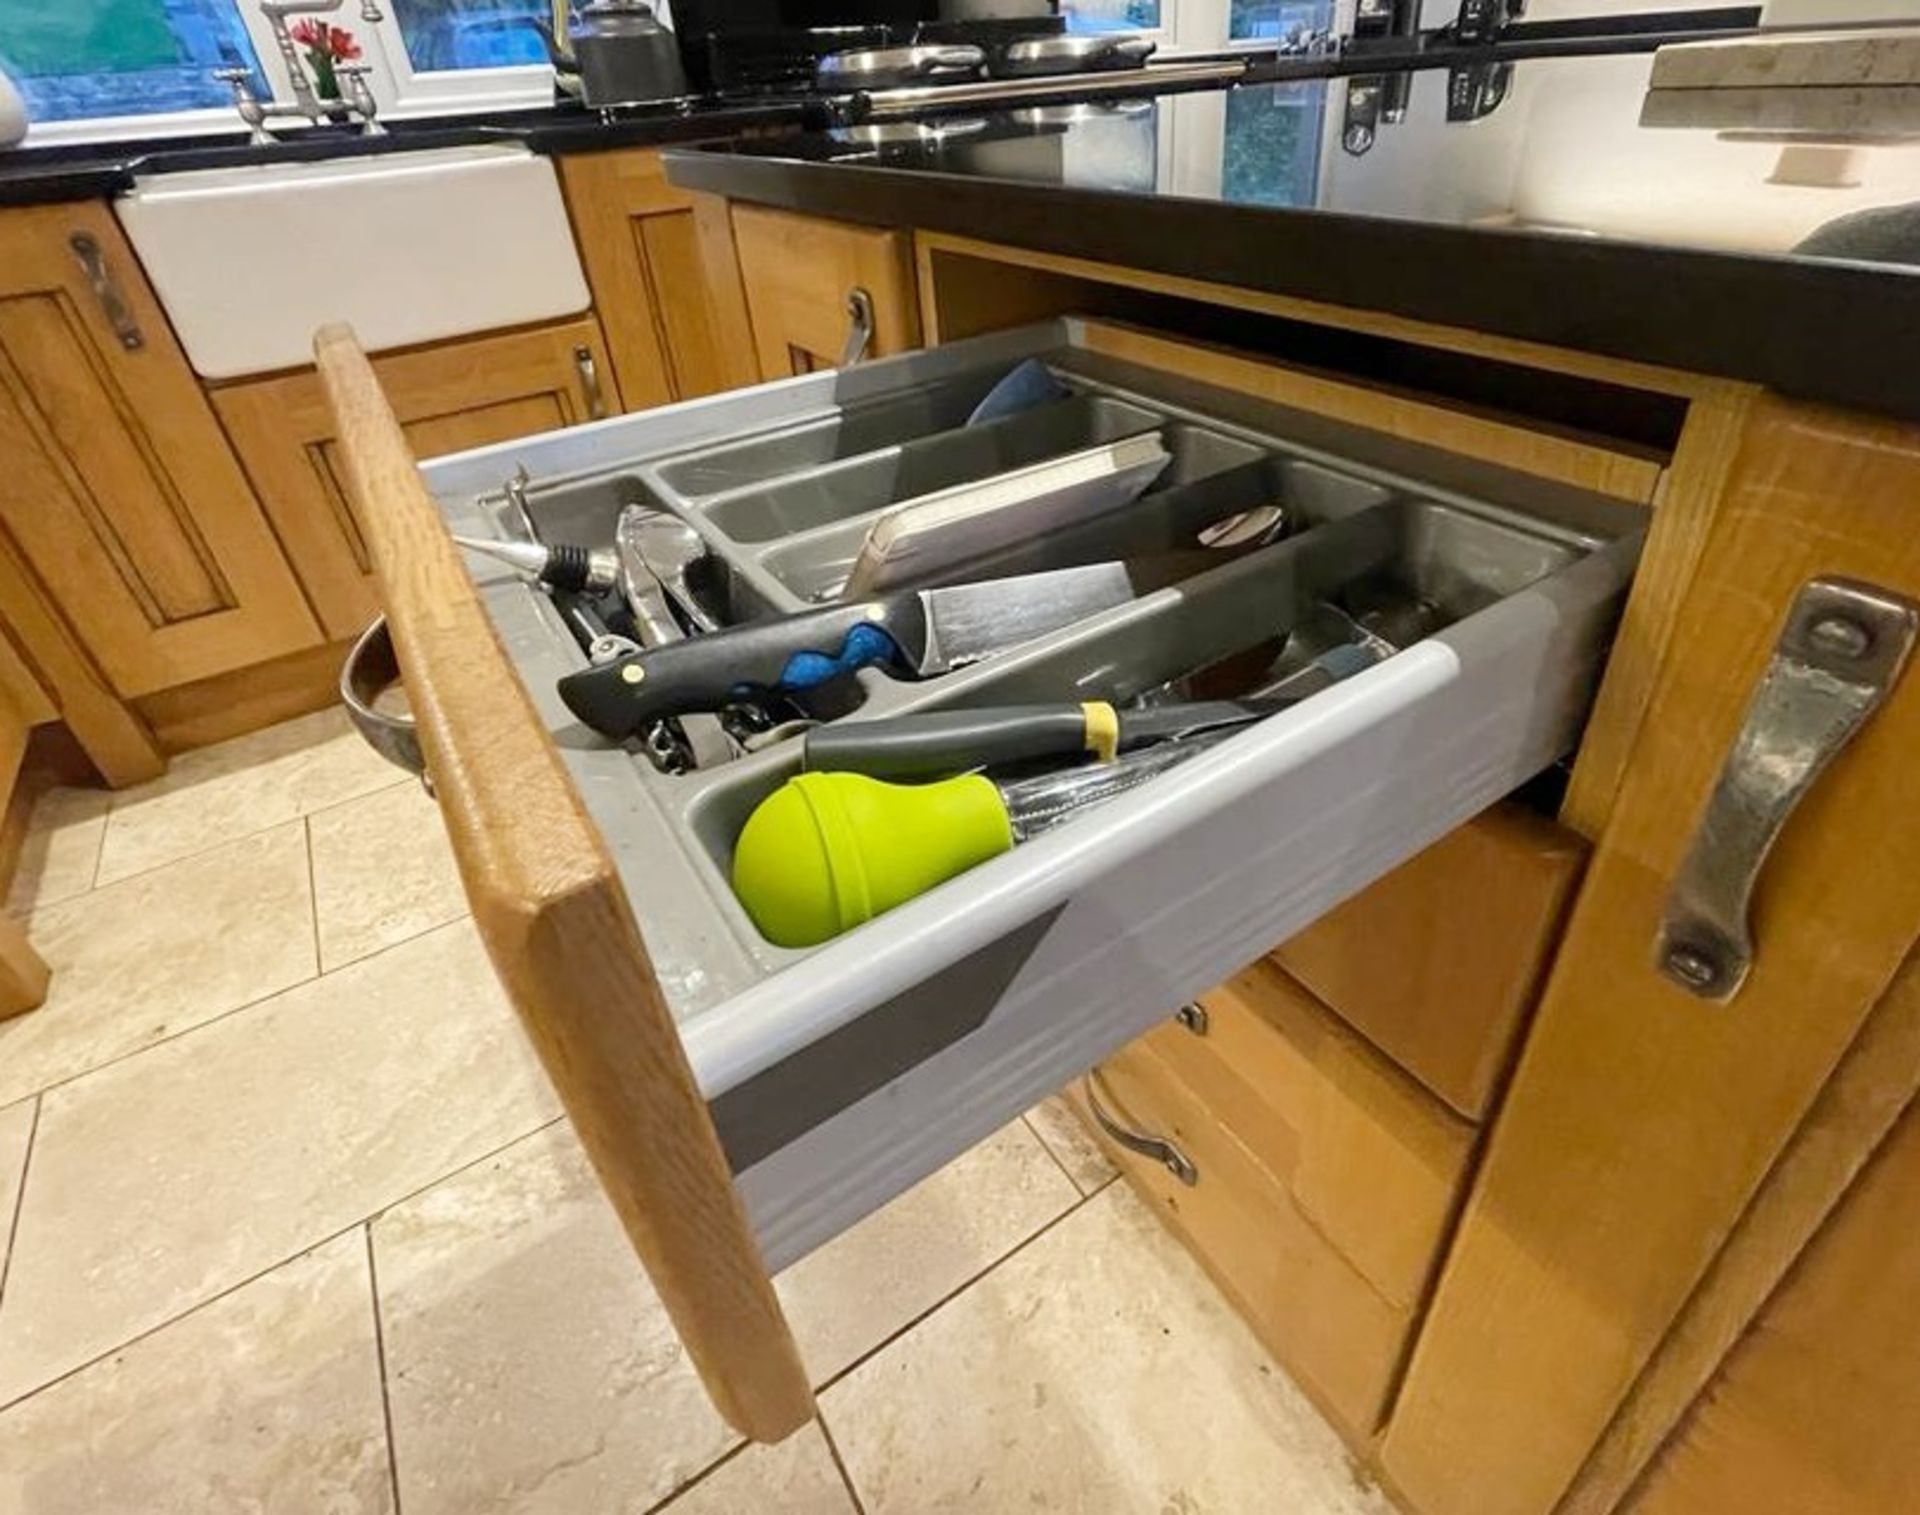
23,972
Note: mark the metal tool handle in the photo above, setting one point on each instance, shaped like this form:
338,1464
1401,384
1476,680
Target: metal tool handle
947,58
859,327
1158,1148
113,305
1842,649
590,390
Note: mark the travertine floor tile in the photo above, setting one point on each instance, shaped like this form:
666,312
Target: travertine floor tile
530,1365
864,1285
265,1400
1059,1128
61,849
178,1173
240,787
1097,1370
156,954
382,872
16,1130
795,1478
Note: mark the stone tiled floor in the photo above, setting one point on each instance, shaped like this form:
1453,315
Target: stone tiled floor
289,1222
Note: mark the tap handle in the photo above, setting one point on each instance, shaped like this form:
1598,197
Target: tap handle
239,77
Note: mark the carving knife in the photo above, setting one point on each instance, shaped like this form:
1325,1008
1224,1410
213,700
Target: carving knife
914,633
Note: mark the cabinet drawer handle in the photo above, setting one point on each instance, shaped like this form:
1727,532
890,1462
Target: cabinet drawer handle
589,372
113,305
859,327
1193,1016
1842,649
1158,1148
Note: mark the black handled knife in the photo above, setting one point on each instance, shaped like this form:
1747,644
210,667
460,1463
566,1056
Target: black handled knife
916,633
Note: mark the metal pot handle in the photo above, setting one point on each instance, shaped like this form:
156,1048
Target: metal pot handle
370,668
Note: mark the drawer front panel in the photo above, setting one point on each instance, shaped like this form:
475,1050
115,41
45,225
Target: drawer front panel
1332,1329
1438,964
1371,1160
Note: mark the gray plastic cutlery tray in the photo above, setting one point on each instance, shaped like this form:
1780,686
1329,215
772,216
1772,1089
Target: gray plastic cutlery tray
840,1074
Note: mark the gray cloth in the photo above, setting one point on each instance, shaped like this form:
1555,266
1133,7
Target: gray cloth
1885,234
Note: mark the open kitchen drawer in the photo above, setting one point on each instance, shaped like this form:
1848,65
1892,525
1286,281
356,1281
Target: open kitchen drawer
837,1076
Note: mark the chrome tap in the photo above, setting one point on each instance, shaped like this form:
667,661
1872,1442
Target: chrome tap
356,97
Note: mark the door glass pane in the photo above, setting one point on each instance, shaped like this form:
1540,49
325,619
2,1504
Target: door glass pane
75,59
1270,20
1111,15
452,34
1273,144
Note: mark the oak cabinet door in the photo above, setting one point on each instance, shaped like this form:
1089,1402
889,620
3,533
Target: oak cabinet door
643,253
1642,1119
449,397
118,486
800,272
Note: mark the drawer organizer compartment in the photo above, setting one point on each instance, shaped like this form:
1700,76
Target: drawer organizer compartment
840,1074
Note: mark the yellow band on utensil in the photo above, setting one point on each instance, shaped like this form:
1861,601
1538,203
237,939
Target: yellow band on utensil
1103,729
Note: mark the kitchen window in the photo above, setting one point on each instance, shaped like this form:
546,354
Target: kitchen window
76,61
443,35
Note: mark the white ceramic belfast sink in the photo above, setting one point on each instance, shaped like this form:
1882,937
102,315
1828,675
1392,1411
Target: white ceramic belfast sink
408,246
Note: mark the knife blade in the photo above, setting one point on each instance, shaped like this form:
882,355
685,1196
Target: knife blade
917,633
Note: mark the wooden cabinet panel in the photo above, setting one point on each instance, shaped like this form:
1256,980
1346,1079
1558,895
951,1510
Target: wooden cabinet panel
798,272
1439,963
119,487
1640,1120
1315,1311
450,396
1373,1160
1813,1412
642,253
1326,1178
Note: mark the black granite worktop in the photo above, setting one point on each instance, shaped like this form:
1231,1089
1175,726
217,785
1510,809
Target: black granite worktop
1558,217
39,175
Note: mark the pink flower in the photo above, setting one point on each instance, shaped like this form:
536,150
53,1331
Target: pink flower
335,42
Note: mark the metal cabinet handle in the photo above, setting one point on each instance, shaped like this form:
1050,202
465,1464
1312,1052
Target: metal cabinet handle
859,327
1193,1016
1842,649
590,390
113,305
1158,1148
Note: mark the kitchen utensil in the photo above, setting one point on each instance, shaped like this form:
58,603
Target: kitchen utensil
885,67
826,852
619,51
666,547
942,534
1256,527
934,744
557,565
917,634
1027,385
1075,54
